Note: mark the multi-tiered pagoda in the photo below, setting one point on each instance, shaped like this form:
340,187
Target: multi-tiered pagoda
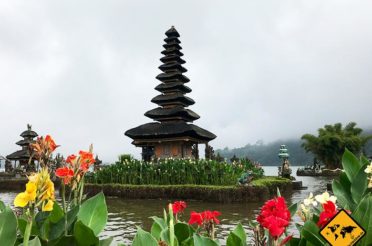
23,155
172,135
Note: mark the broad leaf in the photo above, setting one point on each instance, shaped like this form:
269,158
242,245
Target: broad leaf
144,238
22,223
2,206
93,213
57,229
350,164
310,231
183,232
237,237
158,225
165,236
359,185
56,214
363,215
106,241
33,242
8,227
293,209
204,241
84,236
343,195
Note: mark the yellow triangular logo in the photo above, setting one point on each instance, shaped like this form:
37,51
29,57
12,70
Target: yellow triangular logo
342,230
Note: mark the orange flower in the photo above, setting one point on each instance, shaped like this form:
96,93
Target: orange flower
50,143
65,174
70,159
86,159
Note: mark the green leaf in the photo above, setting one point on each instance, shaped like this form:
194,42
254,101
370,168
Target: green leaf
22,227
84,236
33,242
350,164
237,237
183,232
8,227
57,229
63,241
165,236
144,238
158,225
2,206
93,213
344,181
293,209
359,185
310,231
363,215
106,241
343,195
56,214
204,241
278,192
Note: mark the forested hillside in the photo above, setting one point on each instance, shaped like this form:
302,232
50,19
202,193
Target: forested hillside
267,154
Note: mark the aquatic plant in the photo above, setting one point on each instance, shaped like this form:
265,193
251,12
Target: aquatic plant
175,171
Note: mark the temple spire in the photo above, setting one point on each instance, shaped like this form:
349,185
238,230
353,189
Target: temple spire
172,115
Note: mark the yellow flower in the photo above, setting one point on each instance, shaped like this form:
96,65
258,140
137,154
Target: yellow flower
31,190
34,178
21,200
48,206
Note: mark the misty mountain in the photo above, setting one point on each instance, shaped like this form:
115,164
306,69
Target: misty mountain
267,153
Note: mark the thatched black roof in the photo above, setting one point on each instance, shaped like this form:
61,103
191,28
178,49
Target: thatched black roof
172,76
173,87
157,130
23,154
25,142
174,112
174,98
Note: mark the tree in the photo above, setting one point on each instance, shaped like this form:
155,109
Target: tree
331,142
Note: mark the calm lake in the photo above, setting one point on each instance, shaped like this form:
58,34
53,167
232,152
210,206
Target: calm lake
126,215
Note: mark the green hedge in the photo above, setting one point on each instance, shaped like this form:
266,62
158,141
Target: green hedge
261,190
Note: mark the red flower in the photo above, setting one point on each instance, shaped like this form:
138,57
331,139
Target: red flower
178,207
50,143
70,159
274,216
196,218
329,210
211,216
65,174
204,217
86,159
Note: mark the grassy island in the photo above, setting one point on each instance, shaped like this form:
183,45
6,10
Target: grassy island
207,180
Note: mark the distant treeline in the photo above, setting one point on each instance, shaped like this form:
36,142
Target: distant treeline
267,153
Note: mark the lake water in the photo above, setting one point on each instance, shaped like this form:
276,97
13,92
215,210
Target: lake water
126,215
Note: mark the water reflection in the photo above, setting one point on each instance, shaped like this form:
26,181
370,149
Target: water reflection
126,215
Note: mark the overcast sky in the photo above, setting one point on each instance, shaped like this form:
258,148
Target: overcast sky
84,71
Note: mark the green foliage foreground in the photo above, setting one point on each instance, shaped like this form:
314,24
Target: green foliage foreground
174,171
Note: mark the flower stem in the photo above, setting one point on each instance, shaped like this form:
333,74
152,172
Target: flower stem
26,236
64,206
81,190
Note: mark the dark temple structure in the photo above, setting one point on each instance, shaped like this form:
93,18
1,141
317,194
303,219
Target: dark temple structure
23,155
172,135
